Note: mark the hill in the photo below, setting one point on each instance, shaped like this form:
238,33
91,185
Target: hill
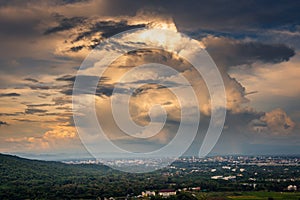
33,179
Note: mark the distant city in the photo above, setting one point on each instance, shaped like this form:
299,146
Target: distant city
228,161
222,173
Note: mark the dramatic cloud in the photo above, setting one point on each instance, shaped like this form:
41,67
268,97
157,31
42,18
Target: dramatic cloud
274,83
254,44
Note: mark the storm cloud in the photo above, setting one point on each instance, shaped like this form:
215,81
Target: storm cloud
230,52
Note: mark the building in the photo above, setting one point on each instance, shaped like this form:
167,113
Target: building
167,192
292,188
148,193
196,188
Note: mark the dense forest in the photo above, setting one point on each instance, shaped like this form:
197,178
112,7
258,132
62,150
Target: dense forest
33,179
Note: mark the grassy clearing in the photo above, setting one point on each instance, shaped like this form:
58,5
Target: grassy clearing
263,195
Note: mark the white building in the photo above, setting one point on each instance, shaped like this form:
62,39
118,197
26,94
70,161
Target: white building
148,193
216,177
292,188
167,192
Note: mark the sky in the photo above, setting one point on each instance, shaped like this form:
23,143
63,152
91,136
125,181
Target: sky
254,44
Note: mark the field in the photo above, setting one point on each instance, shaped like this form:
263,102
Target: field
255,195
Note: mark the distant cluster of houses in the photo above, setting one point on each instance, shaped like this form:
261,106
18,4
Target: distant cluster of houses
166,192
163,193
171,192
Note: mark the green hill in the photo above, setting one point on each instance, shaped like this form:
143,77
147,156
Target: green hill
32,179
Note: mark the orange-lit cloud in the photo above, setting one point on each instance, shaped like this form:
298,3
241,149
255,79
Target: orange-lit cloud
59,138
275,122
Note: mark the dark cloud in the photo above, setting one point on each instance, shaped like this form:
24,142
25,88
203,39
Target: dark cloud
40,105
72,78
89,85
10,95
65,24
34,111
72,1
36,2
148,86
214,15
107,90
99,90
25,120
2,123
108,28
229,52
44,95
40,87
77,48
31,80
12,114
50,114
194,14
43,86
69,78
